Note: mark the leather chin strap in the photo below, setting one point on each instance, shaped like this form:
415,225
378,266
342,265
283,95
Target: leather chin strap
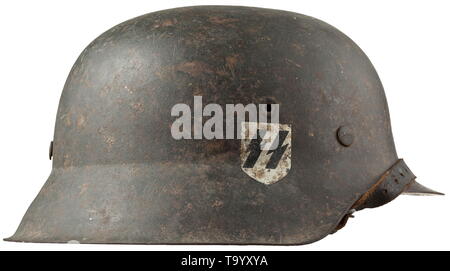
390,185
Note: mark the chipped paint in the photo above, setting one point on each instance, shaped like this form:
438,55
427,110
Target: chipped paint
260,170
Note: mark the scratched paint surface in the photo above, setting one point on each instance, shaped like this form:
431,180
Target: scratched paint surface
119,177
263,164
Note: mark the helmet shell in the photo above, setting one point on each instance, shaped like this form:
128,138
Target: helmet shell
120,177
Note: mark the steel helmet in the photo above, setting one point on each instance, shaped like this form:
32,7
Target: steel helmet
121,176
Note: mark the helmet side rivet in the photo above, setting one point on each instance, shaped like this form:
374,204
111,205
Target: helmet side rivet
50,151
345,136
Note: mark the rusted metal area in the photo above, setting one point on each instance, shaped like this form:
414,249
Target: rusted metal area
388,187
391,184
119,177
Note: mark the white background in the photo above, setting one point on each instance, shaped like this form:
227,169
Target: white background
407,41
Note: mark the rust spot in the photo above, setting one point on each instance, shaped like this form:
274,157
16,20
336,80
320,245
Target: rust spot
254,29
194,68
138,107
110,140
222,20
165,23
222,72
217,203
107,137
300,49
105,91
83,189
259,173
293,63
67,161
176,190
81,121
67,119
213,147
231,61
197,91
169,22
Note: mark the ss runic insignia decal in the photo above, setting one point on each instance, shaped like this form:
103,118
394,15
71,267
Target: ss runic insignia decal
266,151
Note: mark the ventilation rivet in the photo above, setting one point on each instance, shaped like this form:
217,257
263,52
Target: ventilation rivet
345,136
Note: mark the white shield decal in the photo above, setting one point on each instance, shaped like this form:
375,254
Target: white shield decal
266,151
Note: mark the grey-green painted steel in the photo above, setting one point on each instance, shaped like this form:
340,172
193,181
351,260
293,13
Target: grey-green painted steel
119,177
